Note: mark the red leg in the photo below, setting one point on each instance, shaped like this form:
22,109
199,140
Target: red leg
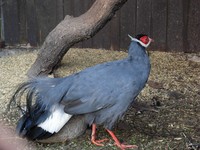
117,142
93,137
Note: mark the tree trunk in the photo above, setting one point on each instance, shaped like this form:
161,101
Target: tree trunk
70,31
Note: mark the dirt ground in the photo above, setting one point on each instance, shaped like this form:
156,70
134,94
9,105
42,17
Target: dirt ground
173,86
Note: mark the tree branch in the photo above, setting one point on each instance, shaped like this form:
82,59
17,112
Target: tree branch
70,31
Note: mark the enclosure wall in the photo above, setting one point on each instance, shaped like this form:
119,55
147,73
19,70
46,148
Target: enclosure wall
173,24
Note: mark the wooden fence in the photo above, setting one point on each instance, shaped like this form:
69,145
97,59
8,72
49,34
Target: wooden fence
174,24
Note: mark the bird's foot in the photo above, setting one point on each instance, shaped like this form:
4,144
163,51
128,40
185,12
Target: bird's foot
119,144
98,142
93,137
123,146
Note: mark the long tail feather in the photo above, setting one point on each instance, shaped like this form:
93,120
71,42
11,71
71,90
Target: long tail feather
42,106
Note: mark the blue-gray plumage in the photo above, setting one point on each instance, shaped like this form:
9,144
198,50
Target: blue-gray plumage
104,92
101,93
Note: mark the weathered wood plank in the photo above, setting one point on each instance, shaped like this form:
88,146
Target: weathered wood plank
78,7
115,32
22,21
194,26
46,17
32,26
143,23
186,6
103,38
78,10
68,7
159,24
59,11
86,6
127,23
11,22
175,25
97,40
105,35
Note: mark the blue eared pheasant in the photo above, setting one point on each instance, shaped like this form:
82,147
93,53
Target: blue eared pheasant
101,93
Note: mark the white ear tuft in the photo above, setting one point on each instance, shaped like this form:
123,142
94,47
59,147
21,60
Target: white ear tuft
130,37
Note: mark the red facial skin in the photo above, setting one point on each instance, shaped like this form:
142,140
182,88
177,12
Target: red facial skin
144,39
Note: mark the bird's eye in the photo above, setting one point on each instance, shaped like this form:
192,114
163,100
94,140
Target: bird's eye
144,39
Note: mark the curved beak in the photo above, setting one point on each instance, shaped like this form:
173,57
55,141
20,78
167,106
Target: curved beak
152,40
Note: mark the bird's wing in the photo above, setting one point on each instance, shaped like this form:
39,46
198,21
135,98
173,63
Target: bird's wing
97,88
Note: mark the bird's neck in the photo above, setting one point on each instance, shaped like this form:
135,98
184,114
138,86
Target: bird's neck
136,51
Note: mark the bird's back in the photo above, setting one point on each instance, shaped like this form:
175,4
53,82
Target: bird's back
103,90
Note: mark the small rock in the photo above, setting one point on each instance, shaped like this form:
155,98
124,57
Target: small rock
155,85
194,58
178,138
176,95
28,45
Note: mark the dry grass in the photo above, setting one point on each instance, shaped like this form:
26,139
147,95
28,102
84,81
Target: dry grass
174,82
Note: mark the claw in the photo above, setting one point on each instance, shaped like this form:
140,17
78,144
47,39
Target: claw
123,146
93,137
120,145
98,142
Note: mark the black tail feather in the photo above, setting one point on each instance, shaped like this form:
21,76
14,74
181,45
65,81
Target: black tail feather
36,106
24,128
38,133
20,129
16,98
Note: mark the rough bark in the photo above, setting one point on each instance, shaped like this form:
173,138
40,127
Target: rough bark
70,31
